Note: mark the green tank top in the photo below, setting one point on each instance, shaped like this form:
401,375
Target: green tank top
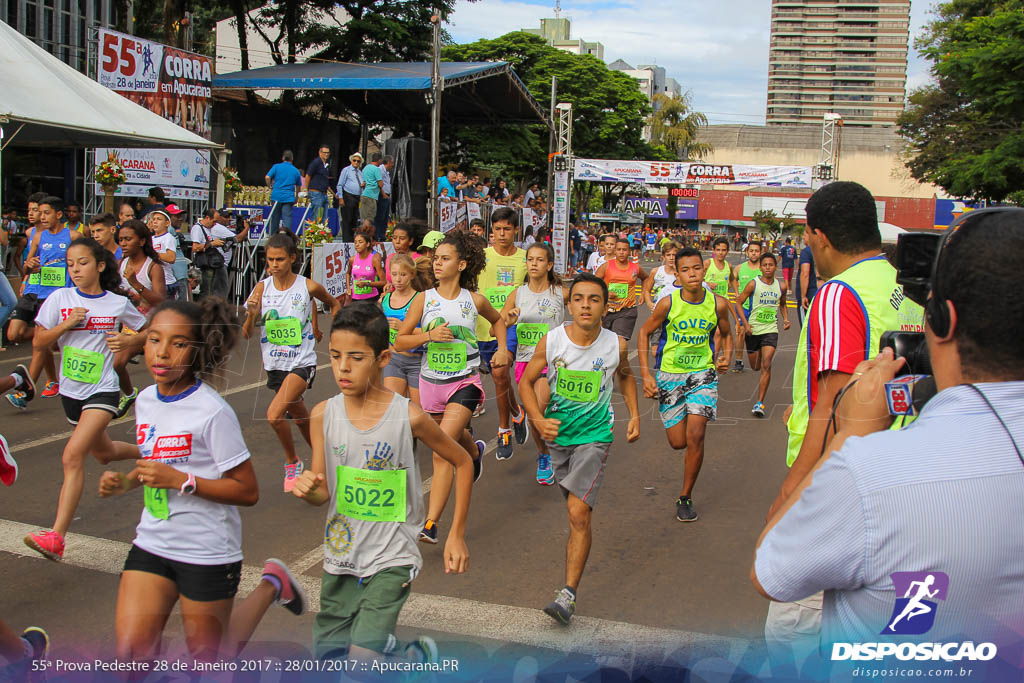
718,278
746,274
764,308
873,282
688,334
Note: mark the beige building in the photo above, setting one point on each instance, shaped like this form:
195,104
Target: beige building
869,156
557,31
843,56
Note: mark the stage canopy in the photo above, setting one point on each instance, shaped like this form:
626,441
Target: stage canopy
398,92
49,104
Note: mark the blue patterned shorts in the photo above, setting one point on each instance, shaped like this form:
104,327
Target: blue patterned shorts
692,393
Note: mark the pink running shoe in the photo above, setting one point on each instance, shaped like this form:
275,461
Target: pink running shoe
8,465
290,596
291,471
49,544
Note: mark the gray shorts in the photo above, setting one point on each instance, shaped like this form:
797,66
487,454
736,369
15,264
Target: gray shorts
621,322
580,469
405,368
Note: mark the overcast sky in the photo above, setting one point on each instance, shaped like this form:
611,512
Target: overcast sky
716,50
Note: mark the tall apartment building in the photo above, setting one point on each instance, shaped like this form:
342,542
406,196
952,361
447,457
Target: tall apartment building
558,30
61,27
842,56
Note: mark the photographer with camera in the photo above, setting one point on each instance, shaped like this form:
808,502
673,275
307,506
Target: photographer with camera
941,496
844,324
212,239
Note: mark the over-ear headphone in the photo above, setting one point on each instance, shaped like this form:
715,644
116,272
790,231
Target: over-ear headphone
936,311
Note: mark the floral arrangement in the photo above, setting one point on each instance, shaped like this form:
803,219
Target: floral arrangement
316,232
232,183
110,173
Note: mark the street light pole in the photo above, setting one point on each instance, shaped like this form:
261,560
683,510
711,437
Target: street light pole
436,85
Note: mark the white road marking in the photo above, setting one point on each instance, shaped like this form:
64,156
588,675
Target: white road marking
24,446
458,616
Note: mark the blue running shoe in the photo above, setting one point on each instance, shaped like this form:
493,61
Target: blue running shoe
758,409
545,475
17,399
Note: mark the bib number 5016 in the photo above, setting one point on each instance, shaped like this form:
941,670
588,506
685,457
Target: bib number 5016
583,386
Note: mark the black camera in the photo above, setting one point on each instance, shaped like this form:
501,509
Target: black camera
915,261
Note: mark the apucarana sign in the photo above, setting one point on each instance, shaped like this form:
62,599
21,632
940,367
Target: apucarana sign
182,173
682,172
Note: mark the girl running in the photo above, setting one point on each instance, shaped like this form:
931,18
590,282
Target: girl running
188,544
282,304
534,308
366,274
450,386
141,271
402,374
143,279
405,238
84,320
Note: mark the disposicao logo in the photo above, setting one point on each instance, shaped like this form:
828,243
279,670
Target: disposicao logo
913,614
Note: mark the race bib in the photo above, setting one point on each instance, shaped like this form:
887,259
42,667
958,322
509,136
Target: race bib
766,315
687,360
371,495
619,289
446,356
156,502
363,289
582,386
53,276
284,331
81,365
529,334
497,296
392,335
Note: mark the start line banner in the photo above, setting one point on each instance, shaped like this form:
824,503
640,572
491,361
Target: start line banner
683,172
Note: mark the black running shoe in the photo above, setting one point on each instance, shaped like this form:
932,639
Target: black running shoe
685,511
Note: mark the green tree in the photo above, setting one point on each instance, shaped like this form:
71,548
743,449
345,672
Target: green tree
609,111
771,226
965,131
675,126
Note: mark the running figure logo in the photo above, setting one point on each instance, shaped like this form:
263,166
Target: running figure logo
914,613
147,61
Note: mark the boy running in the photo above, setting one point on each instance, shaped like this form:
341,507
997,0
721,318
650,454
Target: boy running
743,274
364,466
718,274
581,359
767,293
687,383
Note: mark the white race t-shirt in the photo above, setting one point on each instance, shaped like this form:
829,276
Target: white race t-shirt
164,243
217,232
107,312
195,432
595,261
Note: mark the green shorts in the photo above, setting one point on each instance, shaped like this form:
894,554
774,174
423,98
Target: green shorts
357,613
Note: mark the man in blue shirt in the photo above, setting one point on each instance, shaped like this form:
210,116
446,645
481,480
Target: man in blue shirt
932,503
447,182
317,180
350,186
380,221
373,180
808,283
787,258
284,180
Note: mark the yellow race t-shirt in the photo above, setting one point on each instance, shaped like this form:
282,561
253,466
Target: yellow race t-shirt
499,279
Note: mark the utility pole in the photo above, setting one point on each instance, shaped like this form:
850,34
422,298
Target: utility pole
436,86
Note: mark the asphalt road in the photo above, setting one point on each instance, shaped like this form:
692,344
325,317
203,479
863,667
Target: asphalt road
654,590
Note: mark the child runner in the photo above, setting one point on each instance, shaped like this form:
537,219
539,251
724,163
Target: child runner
504,271
84,321
450,385
195,468
621,275
605,249
743,274
534,309
166,246
719,275
366,274
282,304
687,384
103,229
661,279
364,466
402,373
48,273
581,359
142,278
404,238
767,293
